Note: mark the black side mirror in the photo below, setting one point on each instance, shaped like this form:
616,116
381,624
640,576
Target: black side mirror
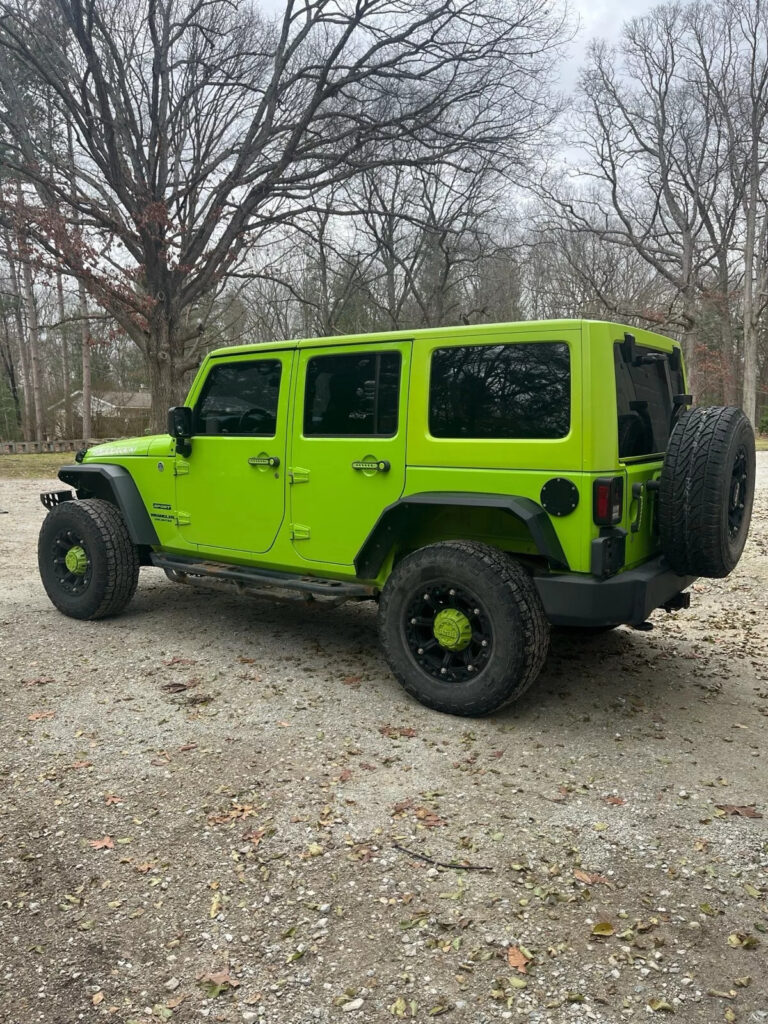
180,427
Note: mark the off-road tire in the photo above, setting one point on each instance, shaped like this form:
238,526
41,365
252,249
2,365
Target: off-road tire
511,609
113,561
701,526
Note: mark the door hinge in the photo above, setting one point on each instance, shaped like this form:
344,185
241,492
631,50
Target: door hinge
183,519
297,475
299,532
180,468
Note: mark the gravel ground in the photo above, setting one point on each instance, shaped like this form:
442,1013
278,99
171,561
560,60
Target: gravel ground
204,803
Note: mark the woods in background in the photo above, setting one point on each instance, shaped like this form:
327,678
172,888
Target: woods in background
181,174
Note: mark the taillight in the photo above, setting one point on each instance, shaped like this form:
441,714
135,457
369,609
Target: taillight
607,498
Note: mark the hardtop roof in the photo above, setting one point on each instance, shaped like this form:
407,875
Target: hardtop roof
463,330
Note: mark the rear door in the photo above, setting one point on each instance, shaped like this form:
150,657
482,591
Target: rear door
646,381
348,448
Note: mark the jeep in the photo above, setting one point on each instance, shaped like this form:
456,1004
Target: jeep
480,483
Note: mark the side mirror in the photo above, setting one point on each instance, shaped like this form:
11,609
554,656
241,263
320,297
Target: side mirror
180,427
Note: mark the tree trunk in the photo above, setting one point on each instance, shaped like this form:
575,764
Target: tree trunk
33,337
26,404
85,334
68,426
164,381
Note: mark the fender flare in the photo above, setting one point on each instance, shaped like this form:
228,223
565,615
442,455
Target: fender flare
115,484
394,519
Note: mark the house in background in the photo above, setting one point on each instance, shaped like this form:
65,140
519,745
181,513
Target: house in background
113,413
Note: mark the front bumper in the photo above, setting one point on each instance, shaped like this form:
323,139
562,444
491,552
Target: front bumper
627,598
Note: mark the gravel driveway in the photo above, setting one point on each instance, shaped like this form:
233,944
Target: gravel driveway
225,808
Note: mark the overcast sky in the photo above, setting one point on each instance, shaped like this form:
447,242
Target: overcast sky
599,19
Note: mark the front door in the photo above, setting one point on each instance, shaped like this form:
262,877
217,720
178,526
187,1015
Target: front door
348,455
230,490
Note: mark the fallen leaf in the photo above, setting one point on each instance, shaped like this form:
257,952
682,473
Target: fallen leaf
180,661
351,680
589,878
97,998
394,732
603,929
217,982
188,746
345,776
110,798
660,1006
740,940
36,716
102,844
518,959
247,661
314,850
428,818
615,801
738,811
79,764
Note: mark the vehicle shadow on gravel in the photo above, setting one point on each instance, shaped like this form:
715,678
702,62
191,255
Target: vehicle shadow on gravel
615,666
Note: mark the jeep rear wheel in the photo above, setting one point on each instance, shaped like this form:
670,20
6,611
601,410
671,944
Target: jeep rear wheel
706,491
88,564
462,627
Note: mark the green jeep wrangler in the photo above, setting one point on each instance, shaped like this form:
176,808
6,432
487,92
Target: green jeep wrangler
480,483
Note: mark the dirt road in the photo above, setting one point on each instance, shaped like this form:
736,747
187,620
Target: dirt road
206,803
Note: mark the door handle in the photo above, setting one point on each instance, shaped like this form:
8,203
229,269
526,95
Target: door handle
264,460
372,466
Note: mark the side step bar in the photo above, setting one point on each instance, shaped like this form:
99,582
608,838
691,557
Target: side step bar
261,579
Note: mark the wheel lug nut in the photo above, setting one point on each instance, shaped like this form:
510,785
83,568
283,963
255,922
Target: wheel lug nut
470,668
452,592
484,643
443,671
476,611
413,622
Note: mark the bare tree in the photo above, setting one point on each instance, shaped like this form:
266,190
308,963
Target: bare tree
199,127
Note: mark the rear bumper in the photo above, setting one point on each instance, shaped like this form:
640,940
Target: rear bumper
629,597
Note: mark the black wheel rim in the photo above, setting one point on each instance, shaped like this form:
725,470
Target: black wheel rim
72,582
464,616
737,497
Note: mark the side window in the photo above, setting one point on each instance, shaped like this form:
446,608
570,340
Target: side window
240,398
644,401
352,395
514,391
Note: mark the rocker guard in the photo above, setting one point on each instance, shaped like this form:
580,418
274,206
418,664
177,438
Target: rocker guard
628,598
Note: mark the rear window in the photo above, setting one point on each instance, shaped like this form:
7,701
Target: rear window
644,392
513,391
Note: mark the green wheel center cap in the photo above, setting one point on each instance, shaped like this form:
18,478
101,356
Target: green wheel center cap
452,629
76,560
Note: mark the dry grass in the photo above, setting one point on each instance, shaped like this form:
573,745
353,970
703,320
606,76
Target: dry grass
33,467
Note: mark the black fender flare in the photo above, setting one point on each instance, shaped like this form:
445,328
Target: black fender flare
115,484
394,519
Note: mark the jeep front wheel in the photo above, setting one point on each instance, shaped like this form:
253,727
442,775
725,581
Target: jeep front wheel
88,564
462,627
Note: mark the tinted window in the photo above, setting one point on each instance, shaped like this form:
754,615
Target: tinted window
501,391
240,398
644,401
352,395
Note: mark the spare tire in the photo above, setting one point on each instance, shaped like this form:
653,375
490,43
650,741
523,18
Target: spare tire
706,491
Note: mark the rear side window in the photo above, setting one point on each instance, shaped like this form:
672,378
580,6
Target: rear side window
644,389
240,398
352,395
512,391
